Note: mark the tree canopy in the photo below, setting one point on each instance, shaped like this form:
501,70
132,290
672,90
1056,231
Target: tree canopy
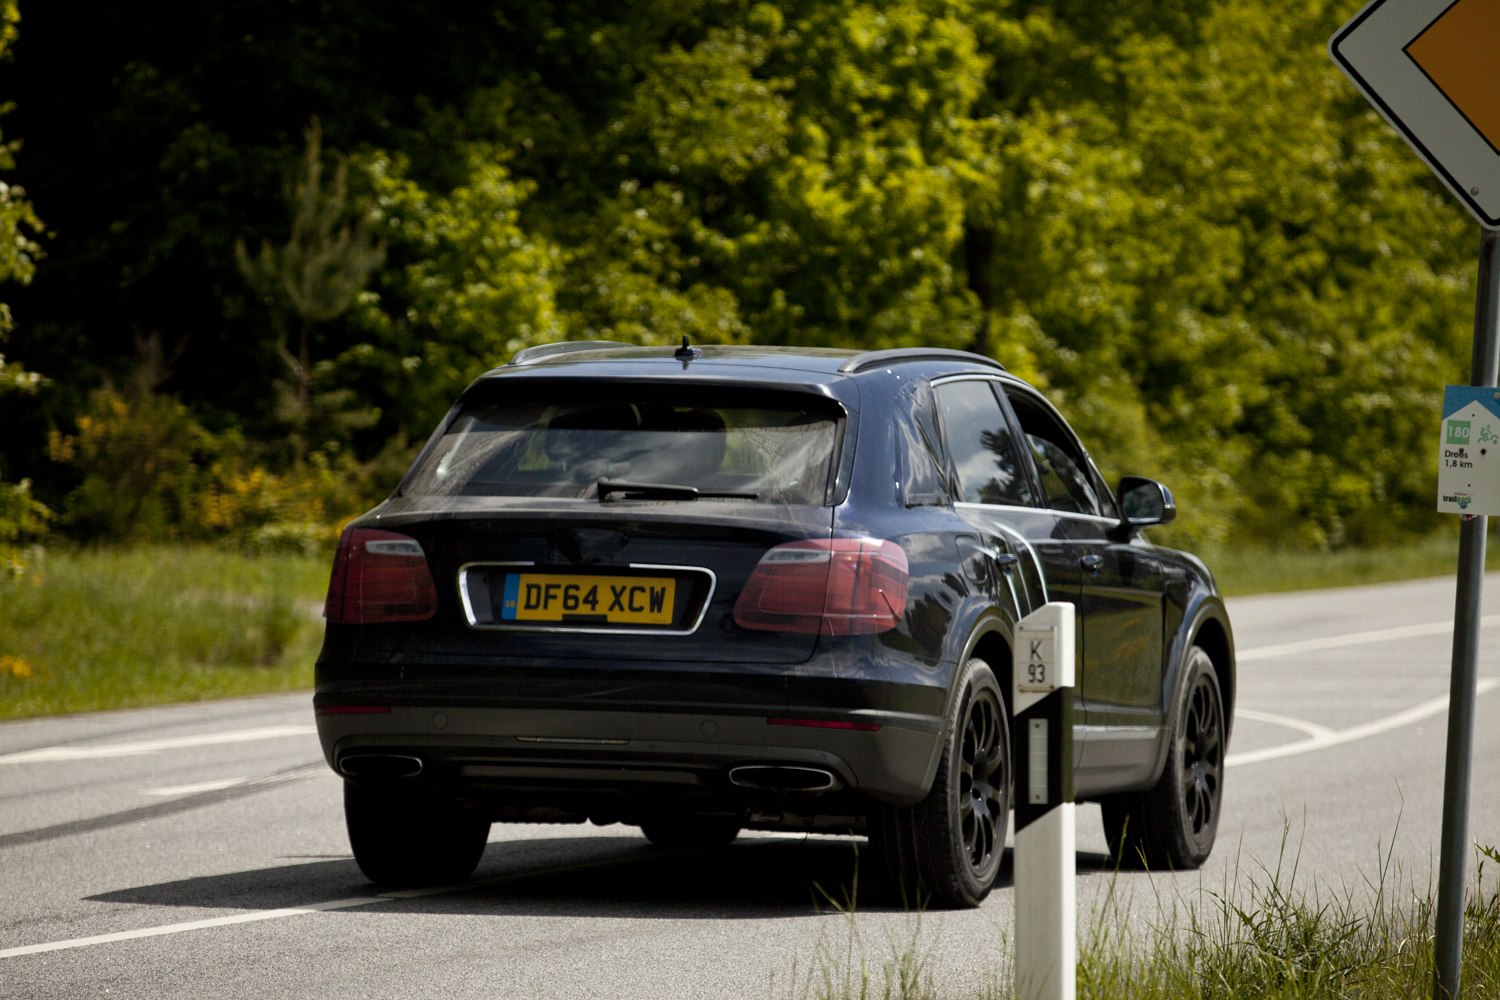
1176,218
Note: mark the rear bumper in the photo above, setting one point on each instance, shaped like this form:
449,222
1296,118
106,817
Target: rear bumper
569,765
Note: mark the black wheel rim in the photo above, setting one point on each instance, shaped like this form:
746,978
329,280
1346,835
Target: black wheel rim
983,784
1202,758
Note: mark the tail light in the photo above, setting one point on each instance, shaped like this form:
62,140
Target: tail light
838,586
379,576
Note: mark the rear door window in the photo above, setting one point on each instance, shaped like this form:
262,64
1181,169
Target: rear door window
560,441
984,453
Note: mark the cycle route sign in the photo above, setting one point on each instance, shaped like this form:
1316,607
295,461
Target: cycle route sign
1469,452
1432,69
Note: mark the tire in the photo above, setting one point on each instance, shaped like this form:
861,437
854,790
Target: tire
692,831
1173,825
944,852
402,840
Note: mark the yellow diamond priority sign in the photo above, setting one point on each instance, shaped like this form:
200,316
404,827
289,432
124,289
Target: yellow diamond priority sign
1432,68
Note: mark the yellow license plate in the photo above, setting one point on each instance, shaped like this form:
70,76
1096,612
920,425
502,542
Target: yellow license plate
553,597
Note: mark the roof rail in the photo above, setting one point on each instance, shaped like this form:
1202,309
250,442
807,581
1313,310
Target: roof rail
532,355
903,355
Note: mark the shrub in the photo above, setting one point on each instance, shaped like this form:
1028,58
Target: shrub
150,472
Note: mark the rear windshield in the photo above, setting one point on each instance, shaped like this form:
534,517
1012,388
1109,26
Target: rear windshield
777,446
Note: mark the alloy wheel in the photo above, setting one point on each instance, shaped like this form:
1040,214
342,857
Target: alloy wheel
1202,757
983,784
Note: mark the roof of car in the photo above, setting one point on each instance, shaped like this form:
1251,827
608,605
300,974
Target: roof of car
826,360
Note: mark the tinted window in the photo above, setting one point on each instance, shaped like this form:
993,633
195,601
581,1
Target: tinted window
777,445
1063,470
979,439
921,476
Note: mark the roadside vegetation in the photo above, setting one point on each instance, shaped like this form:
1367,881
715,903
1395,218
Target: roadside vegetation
1262,935
84,629
1242,571
115,628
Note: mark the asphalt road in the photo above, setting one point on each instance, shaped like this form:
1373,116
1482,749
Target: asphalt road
199,850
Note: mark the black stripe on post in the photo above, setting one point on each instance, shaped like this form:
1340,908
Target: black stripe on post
1042,756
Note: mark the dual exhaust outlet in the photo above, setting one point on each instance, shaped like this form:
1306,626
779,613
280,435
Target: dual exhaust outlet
782,779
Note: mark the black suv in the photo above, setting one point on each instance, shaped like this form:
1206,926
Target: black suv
713,589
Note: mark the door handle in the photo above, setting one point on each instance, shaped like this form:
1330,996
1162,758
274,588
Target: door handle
1092,563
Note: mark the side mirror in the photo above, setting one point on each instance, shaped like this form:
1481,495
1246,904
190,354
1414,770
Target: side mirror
1143,502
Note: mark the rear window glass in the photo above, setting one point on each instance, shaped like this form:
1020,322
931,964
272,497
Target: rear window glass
778,446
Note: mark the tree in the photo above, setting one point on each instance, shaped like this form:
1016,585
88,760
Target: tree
315,275
19,225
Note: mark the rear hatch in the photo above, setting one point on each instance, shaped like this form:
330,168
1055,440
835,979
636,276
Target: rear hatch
573,521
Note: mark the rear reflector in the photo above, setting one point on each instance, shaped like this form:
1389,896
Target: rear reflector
863,727
353,710
836,586
379,576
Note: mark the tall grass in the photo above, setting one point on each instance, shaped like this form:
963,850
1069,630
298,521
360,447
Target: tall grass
1264,935
113,628
843,967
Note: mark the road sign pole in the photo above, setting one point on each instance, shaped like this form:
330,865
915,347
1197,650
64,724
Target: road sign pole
1042,764
1484,368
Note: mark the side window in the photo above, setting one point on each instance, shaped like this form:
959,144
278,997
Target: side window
979,439
920,477
1065,474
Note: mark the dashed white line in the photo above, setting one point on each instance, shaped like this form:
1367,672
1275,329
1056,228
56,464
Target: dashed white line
202,786
61,753
298,911
1354,639
190,925
1333,738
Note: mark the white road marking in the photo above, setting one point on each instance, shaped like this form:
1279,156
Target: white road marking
189,925
1310,728
43,754
202,786
297,911
1354,639
1333,738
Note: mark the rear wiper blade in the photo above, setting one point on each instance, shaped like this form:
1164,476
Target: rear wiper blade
664,491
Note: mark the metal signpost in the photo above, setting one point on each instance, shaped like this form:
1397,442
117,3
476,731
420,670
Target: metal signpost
1042,761
1430,68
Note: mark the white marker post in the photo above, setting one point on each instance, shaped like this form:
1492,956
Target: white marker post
1042,761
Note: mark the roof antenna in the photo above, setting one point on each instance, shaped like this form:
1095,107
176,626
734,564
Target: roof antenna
687,352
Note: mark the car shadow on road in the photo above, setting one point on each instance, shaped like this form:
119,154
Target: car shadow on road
597,876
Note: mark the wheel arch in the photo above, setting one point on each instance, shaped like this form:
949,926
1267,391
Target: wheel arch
1212,636
989,639
1208,628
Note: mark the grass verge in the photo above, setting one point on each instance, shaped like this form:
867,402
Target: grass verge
116,628
1257,571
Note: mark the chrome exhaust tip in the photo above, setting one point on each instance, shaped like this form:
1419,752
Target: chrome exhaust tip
785,779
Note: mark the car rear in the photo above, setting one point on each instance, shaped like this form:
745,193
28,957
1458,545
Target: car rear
591,594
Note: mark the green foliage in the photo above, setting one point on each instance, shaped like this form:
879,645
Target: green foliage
469,289
1176,218
312,279
21,516
150,472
